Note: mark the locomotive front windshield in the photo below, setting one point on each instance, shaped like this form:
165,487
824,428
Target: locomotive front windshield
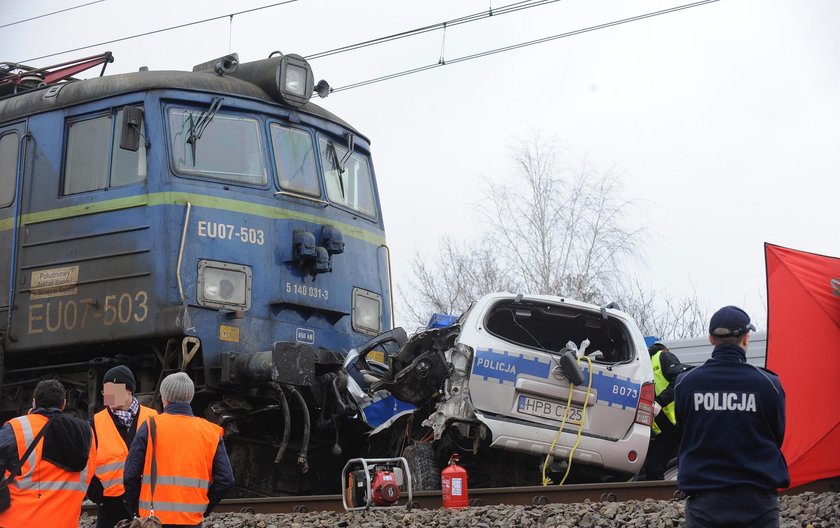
294,155
350,185
223,147
228,147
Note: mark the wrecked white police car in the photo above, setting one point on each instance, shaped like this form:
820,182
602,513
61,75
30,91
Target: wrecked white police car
513,379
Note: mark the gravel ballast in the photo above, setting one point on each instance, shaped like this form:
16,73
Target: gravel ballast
806,510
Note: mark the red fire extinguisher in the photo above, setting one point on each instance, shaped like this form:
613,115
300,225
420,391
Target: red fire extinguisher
453,481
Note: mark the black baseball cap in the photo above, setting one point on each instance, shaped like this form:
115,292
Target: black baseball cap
730,321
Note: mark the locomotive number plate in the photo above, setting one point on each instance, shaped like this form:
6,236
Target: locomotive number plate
550,410
303,290
69,315
246,235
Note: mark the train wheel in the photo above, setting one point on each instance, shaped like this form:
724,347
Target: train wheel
425,474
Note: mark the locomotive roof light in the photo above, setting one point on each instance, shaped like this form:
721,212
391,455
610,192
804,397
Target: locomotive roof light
222,66
295,77
286,78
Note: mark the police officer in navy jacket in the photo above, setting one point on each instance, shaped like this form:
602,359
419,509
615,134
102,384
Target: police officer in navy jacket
732,416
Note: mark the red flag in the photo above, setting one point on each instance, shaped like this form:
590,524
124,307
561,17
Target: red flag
803,348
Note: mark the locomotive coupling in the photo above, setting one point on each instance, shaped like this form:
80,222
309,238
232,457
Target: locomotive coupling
286,363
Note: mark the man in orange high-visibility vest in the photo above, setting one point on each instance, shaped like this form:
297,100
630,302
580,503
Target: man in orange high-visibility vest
114,428
193,469
53,479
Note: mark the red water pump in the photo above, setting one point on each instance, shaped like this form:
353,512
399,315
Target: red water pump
384,487
453,481
376,483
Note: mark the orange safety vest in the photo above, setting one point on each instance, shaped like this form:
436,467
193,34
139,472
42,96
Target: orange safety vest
44,494
112,451
184,448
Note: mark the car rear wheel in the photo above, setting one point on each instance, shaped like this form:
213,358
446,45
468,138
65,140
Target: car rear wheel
425,475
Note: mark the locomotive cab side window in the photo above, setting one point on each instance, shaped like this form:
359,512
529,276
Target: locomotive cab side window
219,146
94,159
9,144
294,155
352,186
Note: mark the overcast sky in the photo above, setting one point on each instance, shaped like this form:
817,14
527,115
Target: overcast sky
722,121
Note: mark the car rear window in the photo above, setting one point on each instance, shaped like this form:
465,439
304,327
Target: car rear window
549,327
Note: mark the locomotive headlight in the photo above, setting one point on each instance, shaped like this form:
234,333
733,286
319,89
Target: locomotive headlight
295,80
287,79
224,285
367,312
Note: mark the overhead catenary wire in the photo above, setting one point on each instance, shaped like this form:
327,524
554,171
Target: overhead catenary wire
155,31
49,14
521,45
510,8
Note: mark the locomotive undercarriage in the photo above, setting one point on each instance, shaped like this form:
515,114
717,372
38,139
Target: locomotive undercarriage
289,424
294,425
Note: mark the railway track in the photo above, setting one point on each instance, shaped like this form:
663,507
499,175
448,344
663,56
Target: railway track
517,496
526,496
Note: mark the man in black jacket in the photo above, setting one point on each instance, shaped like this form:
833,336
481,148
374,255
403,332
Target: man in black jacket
51,481
665,435
732,416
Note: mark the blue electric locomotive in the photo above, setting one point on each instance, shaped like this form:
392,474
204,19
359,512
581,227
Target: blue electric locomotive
212,221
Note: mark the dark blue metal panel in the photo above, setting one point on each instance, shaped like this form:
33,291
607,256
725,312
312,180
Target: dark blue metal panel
121,248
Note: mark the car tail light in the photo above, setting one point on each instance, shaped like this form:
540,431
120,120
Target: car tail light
644,411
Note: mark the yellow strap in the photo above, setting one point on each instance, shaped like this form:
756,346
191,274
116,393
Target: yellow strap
545,480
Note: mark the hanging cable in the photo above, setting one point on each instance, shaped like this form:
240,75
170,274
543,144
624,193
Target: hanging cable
516,6
442,60
545,480
50,14
230,34
524,44
386,77
525,4
179,26
582,421
510,8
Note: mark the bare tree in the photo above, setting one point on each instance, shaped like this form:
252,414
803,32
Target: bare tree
560,230
553,229
460,275
663,315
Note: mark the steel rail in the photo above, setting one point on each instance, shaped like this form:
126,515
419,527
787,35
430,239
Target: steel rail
516,496
524,496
